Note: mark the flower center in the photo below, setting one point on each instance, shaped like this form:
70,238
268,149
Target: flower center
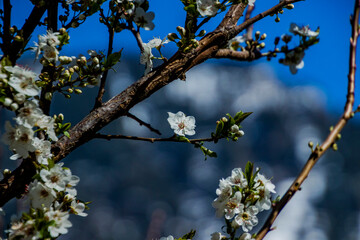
181,125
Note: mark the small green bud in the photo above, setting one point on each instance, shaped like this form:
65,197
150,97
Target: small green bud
67,96
257,35
311,144
224,119
78,91
262,45
290,6
70,90
48,96
82,16
18,38
62,31
277,19
202,33
334,147
7,102
74,24
338,136
263,36
331,128
181,31
6,172
281,11
172,36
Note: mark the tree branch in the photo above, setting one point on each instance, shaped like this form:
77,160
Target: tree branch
331,138
111,30
119,105
152,140
244,55
30,24
142,123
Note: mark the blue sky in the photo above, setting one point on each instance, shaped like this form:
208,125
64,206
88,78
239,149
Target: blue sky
326,64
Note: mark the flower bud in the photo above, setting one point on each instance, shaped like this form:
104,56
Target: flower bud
262,45
277,19
18,38
263,36
70,90
257,35
20,98
181,31
172,36
7,102
82,16
14,106
202,33
224,119
311,144
290,6
95,60
78,91
48,96
74,24
62,31
61,117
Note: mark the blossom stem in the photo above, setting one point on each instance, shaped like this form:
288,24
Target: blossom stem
142,123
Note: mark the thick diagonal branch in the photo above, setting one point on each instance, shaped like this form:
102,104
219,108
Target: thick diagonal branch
119,105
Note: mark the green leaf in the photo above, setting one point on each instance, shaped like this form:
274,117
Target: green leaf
248,171
67,134
189,235
219,128
112,59
240,116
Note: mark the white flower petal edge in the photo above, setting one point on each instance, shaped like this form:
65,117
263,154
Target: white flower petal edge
181,124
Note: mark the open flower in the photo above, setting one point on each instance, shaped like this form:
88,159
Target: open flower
302,31
181,124
22,80
294,60
144,19
207,8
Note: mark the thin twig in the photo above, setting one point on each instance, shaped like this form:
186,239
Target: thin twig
6,27
136,34
249,30
169,139
331,138
142,123
111,30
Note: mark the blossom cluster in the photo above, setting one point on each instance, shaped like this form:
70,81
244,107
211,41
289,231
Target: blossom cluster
136,10
294,58
146,54
241,196
52,196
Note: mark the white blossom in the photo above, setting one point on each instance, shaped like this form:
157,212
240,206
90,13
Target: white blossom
167,238
264,189
40,195
24,231
181,124
22,80
43,150
47,123
233,206
294,60
246,236
302,31
251,2
144,19
78,208
29,114
61,222
54,178
237,178
19,140
234,43
246,218
146,58
207,8
216,236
